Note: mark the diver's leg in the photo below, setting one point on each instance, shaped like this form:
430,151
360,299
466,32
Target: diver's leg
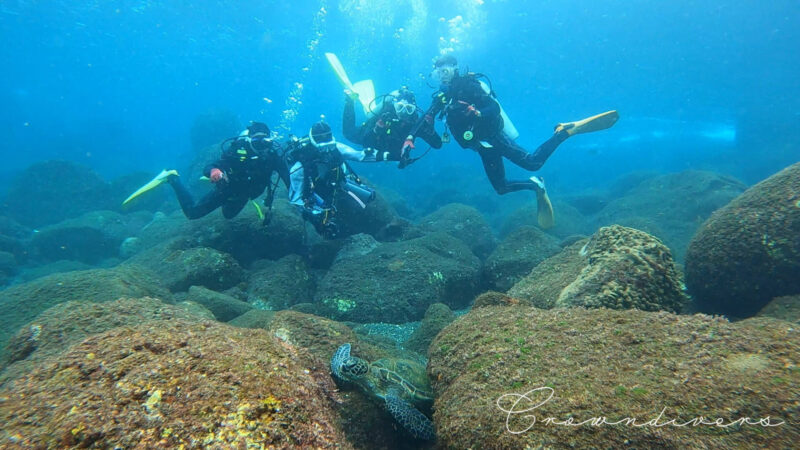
297,184
493,165
233,205
349,121
192,210
529,161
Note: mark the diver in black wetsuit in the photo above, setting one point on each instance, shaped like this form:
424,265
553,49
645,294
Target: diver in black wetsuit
241,174
318,171
474,118
388,129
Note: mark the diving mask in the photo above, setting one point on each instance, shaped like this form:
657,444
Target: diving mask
444,73
404,108
260,142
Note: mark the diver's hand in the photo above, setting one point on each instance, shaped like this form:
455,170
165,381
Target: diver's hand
369,152
217,175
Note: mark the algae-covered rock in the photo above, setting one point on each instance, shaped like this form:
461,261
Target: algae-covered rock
672,206
514,258
223,306
280,284
254,318
180,265
318,335
785,308
21,303
436,318
170,384
494,298
396,282
748,252
464,223
65,324
48,192
569,221
617,268
90,238
617,365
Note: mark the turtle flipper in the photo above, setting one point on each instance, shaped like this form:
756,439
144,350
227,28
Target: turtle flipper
410,418
341,355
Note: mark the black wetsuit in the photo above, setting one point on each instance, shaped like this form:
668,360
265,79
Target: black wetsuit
249,172
453,102
386,132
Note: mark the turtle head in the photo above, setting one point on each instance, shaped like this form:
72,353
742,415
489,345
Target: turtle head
354,368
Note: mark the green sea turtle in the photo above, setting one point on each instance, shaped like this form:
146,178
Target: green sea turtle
401,384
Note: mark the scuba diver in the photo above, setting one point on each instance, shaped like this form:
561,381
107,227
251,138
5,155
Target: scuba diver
319,171
241,174
387,129
478,122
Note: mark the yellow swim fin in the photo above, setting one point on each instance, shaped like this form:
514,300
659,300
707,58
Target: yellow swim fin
544,208
364,90
155,182
590,124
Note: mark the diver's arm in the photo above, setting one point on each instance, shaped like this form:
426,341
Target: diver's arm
428,133
350,154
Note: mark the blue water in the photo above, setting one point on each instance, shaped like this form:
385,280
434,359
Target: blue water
117,84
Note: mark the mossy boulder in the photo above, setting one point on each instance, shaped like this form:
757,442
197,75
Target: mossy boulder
397,281
223,306
280,284
90,238
785,308
436,318
612,364
66,324
463,222
520,251
180,265
617,268
748,252
245,237
569,221
673,206
48,192
254,318
168,384
22,303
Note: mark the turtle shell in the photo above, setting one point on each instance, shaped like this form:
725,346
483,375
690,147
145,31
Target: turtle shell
402,377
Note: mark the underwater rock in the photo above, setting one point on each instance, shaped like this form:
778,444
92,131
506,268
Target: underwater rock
31,273
22,303
514,258
90,238
320,336
179,266
614,364
8,267
168,384
436,318
378,219
280,284
51,191
397,281
671,207
65,324
494,298
213,126
254,318
223,306
618,268
785,308
464,223
10,228
748,252
569,221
